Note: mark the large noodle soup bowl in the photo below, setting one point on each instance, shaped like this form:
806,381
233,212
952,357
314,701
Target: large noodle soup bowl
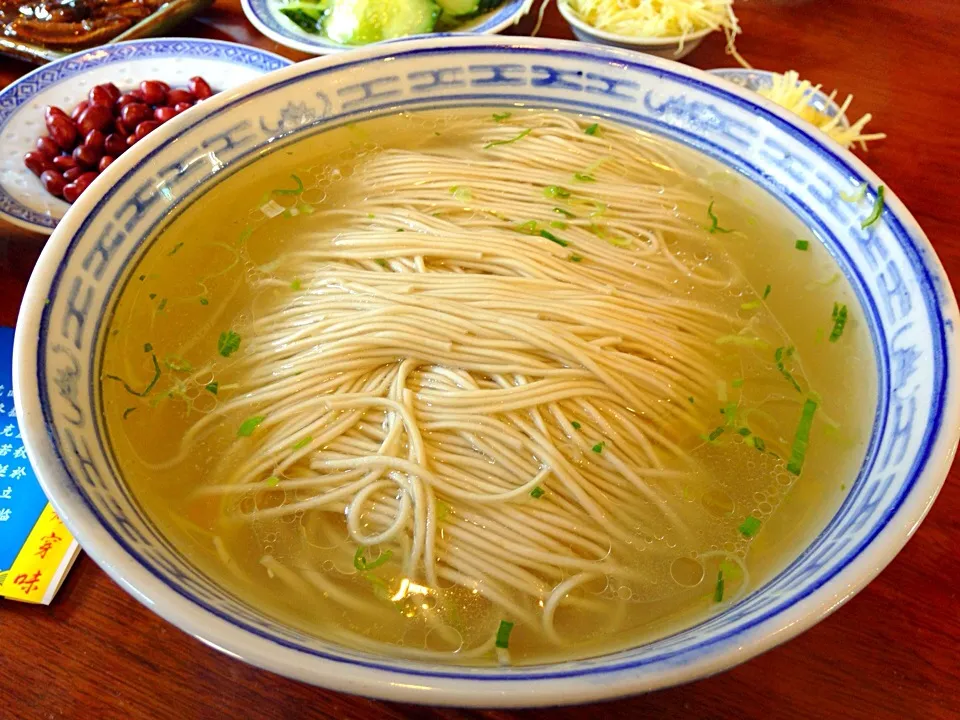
904,298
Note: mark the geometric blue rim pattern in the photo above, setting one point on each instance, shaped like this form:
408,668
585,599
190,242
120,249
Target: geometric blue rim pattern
261,13
655,116
22,91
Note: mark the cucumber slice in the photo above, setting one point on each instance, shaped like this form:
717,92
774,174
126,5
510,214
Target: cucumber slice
457,8
307,15
358,22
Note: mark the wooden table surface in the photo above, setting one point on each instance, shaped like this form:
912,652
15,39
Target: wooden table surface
891,652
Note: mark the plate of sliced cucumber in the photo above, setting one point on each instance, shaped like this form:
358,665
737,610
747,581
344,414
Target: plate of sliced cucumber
321,27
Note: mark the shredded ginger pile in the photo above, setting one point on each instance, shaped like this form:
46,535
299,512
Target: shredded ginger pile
789,91
661,18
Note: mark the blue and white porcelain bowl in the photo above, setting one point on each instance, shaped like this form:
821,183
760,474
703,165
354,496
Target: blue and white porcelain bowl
66,82
904,296
266,17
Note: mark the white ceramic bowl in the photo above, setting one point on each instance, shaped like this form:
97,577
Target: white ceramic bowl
65,82
265,15
904,299
672,48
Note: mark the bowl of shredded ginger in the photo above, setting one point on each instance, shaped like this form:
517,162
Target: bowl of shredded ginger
666,28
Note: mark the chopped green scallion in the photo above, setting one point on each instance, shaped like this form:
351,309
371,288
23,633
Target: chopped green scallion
204,301
592,129
715,433
575,258
802,245
801,440
494,143
778,355
575,425
750,526
382,263
147,347
295,191
175,248
148,388
877,211
503,634
584,177
295,284
249,425
272,481
766,292
553,238
565,213
839,321
527,228
737,383
598,448
718,590
361,564
302,442
558,224
752,305
537,493
127,412
213,388
857,194
500,117
555,191
714,221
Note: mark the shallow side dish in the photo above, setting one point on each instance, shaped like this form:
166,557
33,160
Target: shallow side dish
904,299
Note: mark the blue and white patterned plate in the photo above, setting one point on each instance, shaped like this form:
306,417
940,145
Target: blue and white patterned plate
64,83
903,298
265,15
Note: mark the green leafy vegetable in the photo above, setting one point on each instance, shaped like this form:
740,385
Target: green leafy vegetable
839,321
148,388
494,143
361,564
503,634
801,439
555,191
718,590
537,493
553,238
750,526
778,355
249,425
592,129
802,245
877,209
212,387
714,221
228,343
857,194
500,117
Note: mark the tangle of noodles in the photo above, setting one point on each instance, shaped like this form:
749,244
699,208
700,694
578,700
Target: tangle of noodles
486,374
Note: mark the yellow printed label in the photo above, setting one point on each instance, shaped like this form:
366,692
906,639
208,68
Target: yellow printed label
38,565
